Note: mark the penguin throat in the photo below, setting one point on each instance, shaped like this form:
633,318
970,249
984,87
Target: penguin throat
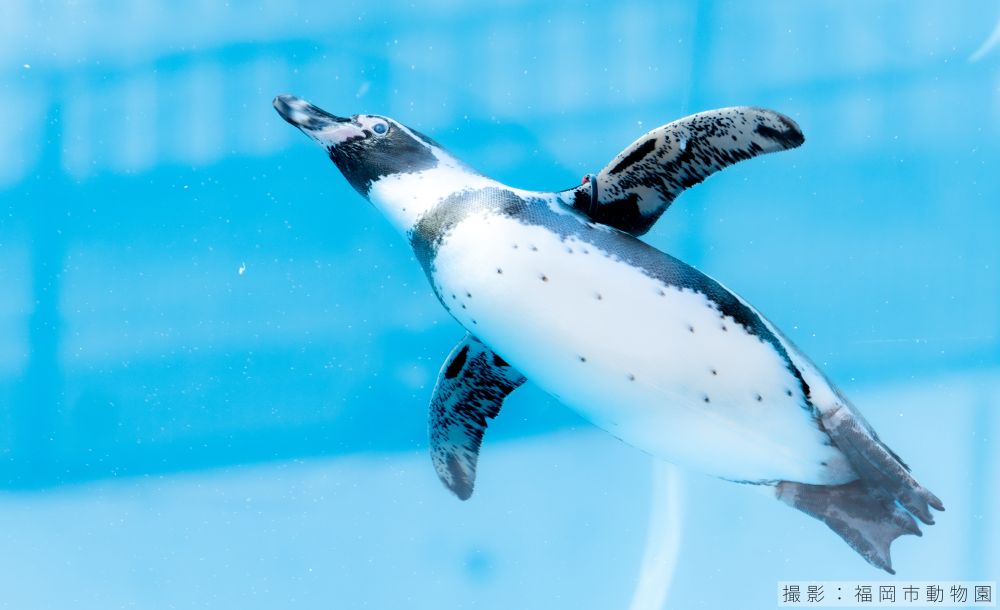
404,198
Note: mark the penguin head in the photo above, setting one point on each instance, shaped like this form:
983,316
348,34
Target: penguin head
365,147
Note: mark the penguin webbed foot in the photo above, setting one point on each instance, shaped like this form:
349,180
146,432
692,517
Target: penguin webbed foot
867,519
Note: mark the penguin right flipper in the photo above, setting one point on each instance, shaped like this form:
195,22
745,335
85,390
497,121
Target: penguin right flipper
470,390
640,183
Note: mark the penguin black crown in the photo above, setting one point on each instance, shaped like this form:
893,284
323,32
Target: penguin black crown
556,287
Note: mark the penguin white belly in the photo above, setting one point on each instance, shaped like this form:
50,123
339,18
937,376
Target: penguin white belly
657,366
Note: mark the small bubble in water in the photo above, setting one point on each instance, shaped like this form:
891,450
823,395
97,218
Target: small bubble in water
242,269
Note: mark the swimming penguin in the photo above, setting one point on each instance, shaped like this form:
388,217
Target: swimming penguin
556,287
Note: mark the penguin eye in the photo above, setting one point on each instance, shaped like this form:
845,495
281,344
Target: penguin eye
380,128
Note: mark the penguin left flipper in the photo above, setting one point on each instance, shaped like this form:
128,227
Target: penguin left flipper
632,191
470,390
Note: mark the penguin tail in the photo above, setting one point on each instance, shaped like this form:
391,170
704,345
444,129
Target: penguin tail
872,511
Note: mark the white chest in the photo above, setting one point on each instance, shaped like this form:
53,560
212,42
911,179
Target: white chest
655,365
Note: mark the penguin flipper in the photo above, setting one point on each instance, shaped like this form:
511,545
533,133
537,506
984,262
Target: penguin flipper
470,390
632,191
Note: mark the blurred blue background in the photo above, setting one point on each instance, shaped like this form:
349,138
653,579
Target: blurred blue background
215,358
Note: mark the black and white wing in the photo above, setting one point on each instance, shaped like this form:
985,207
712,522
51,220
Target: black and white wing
640,183
470,390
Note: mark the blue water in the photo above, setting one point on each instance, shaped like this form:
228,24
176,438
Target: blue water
215,358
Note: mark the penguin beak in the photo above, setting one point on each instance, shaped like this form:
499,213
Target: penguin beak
326,129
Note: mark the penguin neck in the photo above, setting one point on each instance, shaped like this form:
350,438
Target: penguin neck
404,197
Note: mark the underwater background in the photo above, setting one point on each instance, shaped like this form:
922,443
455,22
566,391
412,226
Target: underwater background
216,358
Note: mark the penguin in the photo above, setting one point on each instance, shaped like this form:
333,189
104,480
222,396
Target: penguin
557,287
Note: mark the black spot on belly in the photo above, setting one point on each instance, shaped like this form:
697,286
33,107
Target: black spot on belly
456,365
715,372
707,400
758,397
433,228
597,295
583,358
631,377
543,277
499,270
